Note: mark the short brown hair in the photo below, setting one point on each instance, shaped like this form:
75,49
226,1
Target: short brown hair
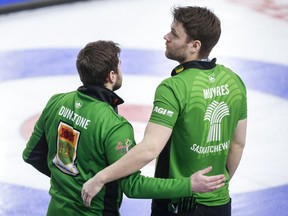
200,24
96,60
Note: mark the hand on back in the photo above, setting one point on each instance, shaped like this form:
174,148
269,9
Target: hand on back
202,183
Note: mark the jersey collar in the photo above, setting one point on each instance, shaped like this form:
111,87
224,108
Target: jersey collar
205,65
102,94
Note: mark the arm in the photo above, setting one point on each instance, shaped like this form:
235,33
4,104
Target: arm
237,147
36,150
155,138
137,186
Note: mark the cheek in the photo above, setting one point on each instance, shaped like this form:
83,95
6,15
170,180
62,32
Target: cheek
173,45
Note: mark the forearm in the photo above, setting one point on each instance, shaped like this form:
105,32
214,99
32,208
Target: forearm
138,186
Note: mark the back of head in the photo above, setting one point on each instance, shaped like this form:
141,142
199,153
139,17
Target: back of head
96,60
200,24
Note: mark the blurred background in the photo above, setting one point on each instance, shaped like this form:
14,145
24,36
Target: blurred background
39,42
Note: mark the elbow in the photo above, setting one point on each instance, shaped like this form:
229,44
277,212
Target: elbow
129,186
241,145
151,153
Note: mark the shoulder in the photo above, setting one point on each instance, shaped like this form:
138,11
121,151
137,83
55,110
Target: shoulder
108,116
234,75
227,70
59,96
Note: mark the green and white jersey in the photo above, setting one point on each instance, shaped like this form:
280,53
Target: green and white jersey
202,102
77,135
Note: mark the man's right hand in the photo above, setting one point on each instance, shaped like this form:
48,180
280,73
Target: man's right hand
202,183
90,189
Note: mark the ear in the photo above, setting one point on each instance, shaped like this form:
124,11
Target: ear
195,46
111,77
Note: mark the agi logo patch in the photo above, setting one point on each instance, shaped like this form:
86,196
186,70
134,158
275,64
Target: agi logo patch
163,111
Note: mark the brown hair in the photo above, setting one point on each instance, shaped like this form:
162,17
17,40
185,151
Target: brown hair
200,24
96,60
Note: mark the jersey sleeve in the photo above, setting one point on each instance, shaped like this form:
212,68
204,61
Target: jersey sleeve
166,107
36,150
119,141
243,114
138,186
243,111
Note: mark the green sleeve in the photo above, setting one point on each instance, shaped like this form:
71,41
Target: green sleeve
166,106
119,141
243,114
242,87
34,138
36,150
138,186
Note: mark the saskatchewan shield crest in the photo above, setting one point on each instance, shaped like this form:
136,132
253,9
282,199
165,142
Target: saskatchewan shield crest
67,142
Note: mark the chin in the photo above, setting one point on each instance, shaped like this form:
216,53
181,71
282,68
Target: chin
167,54
170,56
117,87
